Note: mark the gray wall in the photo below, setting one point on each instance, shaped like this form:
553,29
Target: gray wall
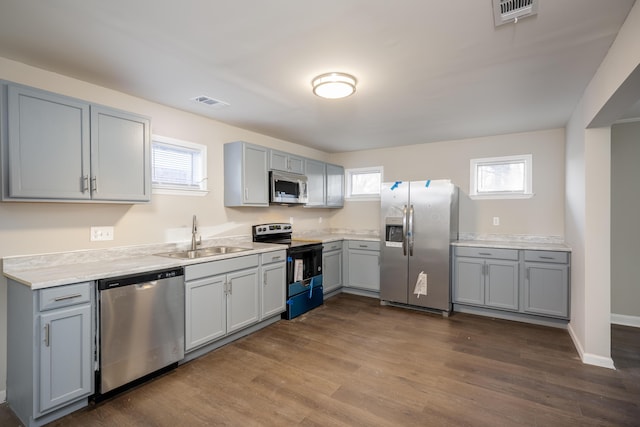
625,214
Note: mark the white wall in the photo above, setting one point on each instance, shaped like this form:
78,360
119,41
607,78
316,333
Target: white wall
587,217
625,232
541,215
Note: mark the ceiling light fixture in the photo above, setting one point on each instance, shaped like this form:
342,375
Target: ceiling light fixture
334,85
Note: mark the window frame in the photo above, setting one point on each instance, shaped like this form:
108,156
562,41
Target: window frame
349,173
177,190
527,192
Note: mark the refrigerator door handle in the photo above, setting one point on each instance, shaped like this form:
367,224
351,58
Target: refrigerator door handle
404,230
411,231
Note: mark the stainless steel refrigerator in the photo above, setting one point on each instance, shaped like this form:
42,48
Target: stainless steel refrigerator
419,221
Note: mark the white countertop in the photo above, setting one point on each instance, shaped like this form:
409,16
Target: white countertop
44,271
506,244
48,270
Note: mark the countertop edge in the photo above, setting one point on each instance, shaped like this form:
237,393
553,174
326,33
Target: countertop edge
533,246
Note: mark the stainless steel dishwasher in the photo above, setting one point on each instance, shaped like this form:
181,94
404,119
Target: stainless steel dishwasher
141,327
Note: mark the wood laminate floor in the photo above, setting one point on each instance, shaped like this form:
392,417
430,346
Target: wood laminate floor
353,362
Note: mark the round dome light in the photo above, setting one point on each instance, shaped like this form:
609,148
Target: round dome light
334,85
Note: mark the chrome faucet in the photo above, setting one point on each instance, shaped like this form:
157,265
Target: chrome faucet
195,239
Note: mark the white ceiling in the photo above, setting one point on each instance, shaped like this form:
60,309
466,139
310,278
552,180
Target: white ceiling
428,71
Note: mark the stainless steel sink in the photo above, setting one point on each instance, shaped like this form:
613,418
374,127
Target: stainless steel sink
204,252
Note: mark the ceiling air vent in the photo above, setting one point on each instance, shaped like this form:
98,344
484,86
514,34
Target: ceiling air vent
505,11
211,102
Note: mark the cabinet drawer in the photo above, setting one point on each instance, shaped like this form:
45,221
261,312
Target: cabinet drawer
332,246
212,268
547,256
490,253
63,296
365,245
278,256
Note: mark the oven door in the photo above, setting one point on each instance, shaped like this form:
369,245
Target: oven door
304,262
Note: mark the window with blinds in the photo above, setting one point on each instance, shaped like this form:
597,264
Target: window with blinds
178,166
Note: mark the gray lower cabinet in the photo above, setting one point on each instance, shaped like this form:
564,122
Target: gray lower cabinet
226,296
546,283
492,283
363,269
274,279
524,281
246,175
50,356
332,266
58,148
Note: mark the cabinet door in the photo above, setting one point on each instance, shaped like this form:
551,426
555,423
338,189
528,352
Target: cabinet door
335,186
205,311
316,182
120,157
331,270
286,162
242,299
501,284
65,356
255,174
48,145
364,269
546,289
468,286
274,277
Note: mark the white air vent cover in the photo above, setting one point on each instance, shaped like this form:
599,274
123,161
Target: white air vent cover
211,102
505,11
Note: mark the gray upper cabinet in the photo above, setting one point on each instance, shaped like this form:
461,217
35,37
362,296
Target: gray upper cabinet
246,175
316,181
286,162
120,153
335,186
326,184
58,148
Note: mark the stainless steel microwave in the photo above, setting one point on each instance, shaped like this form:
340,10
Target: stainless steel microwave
287,188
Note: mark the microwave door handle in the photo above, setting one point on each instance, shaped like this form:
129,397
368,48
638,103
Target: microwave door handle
404,230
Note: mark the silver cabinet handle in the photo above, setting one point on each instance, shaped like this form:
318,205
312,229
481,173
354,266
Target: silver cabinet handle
85,183
246,193
527,273
94,184
484,253
363,246
546,257
275,258
66,297
46,335
264,278
230,288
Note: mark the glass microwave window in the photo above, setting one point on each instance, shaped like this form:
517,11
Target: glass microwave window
286,188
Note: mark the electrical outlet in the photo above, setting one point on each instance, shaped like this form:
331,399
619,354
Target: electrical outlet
101,233
291,220
496,220
319,220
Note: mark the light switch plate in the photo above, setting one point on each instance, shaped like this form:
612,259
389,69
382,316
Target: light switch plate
101,233
496,220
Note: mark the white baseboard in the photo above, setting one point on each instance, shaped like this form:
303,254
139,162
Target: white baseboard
3,396
588,358
625,320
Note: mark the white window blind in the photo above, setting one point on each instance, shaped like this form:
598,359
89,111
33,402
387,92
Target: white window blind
178,165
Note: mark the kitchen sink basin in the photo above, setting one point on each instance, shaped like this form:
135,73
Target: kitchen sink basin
204,252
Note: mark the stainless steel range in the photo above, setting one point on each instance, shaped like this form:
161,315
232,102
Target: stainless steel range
304,267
